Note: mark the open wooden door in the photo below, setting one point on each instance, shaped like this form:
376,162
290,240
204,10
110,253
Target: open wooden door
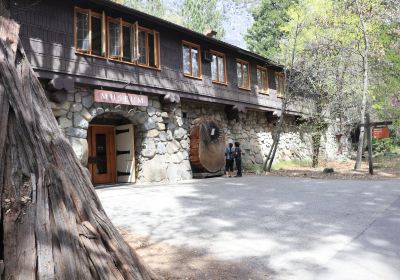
102,154
125,150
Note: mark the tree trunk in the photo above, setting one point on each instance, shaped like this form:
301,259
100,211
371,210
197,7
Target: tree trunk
316,143
52,223
360,148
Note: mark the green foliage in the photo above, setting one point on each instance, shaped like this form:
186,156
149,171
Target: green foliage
287,164
384,146
264,35
202,16
253,168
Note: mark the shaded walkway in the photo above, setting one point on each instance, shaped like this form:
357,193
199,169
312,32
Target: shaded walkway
292,228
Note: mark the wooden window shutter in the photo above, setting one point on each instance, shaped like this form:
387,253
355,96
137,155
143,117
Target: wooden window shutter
156,48
135,45
103,34
121,40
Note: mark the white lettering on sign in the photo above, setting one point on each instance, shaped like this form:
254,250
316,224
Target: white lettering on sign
106,96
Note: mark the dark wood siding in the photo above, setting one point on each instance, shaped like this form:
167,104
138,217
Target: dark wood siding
47,35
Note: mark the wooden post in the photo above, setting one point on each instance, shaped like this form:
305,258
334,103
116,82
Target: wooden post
369,141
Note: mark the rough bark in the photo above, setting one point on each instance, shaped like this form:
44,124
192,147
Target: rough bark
52,223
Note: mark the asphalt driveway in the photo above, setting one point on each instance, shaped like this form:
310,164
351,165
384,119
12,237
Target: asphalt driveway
287,228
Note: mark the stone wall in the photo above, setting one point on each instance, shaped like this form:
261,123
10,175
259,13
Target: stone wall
162,138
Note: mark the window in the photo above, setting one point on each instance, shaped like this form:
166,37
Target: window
191,60
89,32
280,83
122,43
262,80
243,74
149,47
116,39
218,67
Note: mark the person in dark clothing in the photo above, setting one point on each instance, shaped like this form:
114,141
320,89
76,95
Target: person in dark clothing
229,158
238,159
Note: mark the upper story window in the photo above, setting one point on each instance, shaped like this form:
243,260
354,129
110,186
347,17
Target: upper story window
262,80
149,47
191,59
243,74
89,32
126,42
280,84
218,67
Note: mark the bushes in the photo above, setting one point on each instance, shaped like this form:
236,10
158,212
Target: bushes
386,146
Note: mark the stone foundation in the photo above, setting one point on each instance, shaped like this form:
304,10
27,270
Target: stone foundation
162,138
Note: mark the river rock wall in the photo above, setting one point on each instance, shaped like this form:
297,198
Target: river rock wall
162,136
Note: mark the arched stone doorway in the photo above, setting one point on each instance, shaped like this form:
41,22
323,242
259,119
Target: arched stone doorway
111,149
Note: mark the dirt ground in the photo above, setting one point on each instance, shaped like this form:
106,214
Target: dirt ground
384,168
166,261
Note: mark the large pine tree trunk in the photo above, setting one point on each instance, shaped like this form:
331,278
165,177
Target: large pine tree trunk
52,224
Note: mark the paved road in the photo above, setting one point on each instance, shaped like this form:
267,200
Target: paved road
290,228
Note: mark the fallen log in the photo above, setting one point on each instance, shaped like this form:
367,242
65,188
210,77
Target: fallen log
52,222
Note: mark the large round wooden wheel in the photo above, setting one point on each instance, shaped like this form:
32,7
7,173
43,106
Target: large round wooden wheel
207,143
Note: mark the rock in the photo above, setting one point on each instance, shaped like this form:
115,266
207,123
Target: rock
173,147
156,104
160,126
78,97
76,132
328,170
71,97
179,121
76,107
173,173
154,170
180,133
184,144
161,148
169,135
153,133
79,121
99,111
151,111
81,149
149,148
87,101
164,115
86,115
163,136
59,112
176,158
149,124
64,122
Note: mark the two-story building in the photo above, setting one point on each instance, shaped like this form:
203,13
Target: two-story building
126,87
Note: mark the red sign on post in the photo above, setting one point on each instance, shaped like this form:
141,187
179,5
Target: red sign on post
380,133
106,96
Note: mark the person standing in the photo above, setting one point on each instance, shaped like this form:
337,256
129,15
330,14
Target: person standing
229,158
238,159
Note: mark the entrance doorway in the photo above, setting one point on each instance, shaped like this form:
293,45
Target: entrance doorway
102,154
111,151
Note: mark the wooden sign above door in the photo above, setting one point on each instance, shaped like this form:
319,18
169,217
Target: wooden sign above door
106,96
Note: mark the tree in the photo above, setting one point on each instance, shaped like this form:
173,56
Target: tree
331,58
264,35
202,16
52,223
151,7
